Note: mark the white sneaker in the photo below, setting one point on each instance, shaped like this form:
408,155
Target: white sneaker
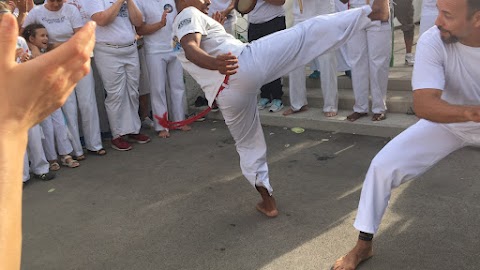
409,59
147,123
277,105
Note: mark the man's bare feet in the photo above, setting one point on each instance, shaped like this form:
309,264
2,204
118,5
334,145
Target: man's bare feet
362,251
330,114
164,134
267,206
185,128
380,11
291,111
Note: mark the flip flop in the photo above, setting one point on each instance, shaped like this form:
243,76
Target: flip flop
379,117
355,116
101,152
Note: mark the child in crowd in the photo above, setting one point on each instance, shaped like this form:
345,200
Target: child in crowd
54,127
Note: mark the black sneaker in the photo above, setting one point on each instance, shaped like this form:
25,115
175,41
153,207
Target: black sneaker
45,176
201,119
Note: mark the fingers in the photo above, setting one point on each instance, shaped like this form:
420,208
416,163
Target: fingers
79,46
8,40
228,63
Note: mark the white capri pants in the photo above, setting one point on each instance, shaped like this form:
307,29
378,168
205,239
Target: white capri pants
119,69
406,157
267,59
166,86
55,132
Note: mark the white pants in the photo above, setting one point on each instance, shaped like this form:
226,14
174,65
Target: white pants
55,132
406,157
83,99
267,59
119,69
369,53
426,22
166,86
36,155
327,64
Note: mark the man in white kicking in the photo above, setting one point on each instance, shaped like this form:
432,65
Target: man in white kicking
326,63
167,89
446,95
116,57
217,60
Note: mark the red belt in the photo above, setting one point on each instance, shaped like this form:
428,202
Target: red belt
163,120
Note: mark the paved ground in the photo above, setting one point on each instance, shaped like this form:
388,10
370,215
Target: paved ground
182,203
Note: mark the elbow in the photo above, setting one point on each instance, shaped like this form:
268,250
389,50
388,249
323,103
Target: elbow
421,111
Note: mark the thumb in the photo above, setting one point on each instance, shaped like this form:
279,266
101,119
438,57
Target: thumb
8,40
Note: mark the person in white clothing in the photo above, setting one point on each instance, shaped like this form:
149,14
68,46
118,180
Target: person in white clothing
446,92
428,15
230,72
61,22
116,57
226,8
83,100
54,128
369,52
326,63
167,89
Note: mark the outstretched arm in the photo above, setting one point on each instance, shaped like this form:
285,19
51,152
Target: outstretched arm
52,76
225,63
429,105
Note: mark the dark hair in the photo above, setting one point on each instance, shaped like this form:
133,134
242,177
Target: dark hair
31,31
473,6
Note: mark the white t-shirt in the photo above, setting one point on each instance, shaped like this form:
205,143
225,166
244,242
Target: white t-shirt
79,4
311,9
21,43
429,7
59,24
160,41
218,5
214,41
452,68
120,31
264,12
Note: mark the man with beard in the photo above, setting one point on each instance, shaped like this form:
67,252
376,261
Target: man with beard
218,61
446,95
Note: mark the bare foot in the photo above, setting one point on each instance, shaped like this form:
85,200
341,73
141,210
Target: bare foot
291,111
360,253
380,11
164,134
185,128
267,206
330,114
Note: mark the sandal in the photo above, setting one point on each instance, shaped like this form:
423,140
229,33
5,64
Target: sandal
80,158
68,161
379,117
54,166
355,116
101,152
